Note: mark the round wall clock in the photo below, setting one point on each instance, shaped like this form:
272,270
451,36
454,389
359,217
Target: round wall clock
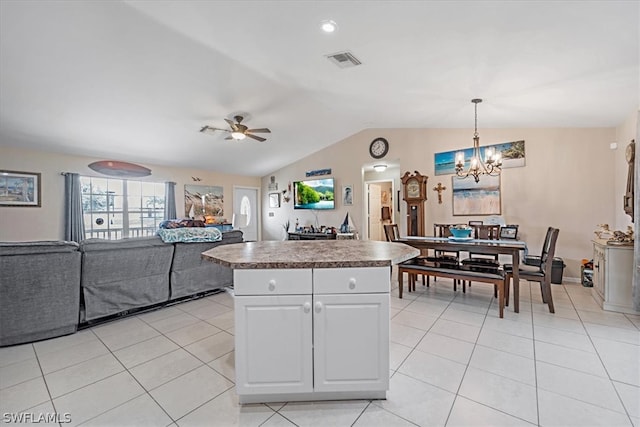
379,148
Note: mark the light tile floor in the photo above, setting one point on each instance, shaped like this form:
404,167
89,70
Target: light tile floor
453,363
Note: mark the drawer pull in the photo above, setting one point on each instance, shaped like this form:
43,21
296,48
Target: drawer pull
318,307
352,283
306,307
272,285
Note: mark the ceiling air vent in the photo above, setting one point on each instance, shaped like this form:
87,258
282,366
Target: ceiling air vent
344,59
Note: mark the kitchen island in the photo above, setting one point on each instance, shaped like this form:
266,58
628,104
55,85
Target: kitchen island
311,317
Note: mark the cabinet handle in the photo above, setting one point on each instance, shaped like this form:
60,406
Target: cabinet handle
272,284
318,307
352,283
306,307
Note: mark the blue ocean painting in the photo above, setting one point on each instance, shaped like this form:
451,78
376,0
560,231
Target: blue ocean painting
512,157
481,198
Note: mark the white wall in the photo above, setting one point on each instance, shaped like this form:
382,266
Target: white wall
569,182
46,223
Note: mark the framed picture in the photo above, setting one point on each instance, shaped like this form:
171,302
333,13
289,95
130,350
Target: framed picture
201,200
274,200
476,198
347,195
20,189
513,156
509,232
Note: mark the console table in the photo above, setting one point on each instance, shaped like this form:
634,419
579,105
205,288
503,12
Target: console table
311,236
613,276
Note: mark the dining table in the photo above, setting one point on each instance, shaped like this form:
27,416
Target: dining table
477,246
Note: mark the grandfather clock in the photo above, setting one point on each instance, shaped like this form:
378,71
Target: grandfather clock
415,194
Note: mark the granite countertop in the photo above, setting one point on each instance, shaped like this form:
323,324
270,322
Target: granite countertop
310,254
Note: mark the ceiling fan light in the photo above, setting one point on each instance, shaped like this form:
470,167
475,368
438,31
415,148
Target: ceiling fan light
238,135
328,26
379,168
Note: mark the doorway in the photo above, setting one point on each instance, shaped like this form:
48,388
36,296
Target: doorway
379,208
246,212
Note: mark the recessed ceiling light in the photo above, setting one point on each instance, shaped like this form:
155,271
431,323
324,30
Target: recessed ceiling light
328,26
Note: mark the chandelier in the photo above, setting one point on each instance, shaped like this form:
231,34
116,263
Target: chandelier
493,160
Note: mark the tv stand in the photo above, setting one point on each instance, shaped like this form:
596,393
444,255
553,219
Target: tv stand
311,236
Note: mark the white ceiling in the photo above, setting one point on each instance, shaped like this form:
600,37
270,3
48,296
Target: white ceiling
136,80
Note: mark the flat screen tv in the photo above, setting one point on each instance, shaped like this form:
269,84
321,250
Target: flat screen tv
314,194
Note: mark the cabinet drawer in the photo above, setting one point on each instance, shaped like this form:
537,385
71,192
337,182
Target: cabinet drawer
351,280
272,282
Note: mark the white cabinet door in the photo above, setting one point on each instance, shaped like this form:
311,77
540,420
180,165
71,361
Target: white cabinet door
351,342
274,344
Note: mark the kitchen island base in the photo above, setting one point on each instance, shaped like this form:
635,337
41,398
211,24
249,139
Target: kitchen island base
311,318
310,397
312,334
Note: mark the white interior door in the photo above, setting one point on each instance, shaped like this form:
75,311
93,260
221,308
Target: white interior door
246,212
375,212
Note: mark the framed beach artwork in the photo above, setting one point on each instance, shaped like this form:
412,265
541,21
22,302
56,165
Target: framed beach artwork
201,200
512,157
21,189
481,198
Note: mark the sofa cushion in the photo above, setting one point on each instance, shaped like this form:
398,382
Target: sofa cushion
191,274
39,290
89,245
119,275
36,247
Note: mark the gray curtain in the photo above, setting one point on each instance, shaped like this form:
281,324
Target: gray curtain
73,217
170,200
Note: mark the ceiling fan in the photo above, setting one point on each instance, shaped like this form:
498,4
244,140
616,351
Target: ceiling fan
238,130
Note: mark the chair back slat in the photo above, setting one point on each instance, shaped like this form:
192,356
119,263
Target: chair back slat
487,231
391,232
442,230
548,251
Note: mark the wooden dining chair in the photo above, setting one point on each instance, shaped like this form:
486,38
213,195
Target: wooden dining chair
391,232
443,230
484,232
541,274
489,263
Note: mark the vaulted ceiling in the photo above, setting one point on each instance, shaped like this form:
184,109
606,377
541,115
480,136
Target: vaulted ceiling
136,80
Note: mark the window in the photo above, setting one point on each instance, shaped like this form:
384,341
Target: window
117,208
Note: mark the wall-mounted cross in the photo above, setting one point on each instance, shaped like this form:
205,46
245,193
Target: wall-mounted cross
439,188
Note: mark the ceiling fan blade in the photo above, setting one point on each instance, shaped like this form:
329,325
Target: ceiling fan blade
256,137
233,125
261,130
208,128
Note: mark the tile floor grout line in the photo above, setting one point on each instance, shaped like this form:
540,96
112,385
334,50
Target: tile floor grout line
626,412
535,359
466,368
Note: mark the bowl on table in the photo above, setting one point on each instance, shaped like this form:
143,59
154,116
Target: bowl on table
461,233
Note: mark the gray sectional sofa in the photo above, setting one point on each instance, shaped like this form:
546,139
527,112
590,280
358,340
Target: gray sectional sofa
39,290
48,289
